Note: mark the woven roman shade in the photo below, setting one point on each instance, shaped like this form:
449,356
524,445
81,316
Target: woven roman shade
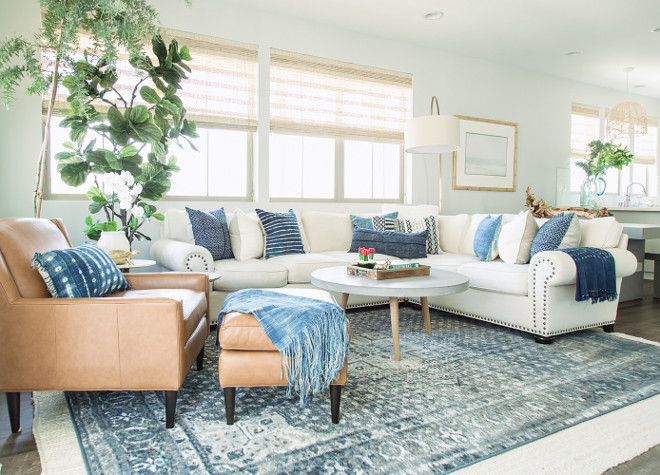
585,127
646,145
327,98
220,92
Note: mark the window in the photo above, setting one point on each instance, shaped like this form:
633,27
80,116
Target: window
587,124
336,129
220,96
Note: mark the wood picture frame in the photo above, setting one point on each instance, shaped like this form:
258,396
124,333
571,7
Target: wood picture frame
486,160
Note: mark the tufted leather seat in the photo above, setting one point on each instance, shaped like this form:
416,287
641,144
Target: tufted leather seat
145,338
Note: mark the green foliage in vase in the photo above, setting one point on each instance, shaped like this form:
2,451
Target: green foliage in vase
134,165
603,156
110,24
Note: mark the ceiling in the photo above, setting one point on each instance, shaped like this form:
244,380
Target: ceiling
533,35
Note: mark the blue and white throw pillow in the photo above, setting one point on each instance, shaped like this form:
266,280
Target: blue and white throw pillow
211,231
80,272
420,224
368,223
403,245
382,223
560,232
282,233
485,238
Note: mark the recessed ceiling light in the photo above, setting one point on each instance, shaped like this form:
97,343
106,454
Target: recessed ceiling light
574,53
638,86
434,15
656,30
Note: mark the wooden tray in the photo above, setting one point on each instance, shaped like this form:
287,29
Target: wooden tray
377,274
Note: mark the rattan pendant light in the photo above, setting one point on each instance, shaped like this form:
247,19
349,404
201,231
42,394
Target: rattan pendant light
627,118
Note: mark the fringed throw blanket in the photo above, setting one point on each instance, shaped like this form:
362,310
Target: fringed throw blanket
310,334
596,275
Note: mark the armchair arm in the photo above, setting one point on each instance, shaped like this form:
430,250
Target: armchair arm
181,256
555,268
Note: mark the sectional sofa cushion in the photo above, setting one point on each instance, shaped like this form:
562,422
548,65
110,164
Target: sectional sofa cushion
485,238
300,266
603,233
246,236
516,238
282,233
451,230
257,273
79,272
403,245
327,231
560,232
211,231
497,276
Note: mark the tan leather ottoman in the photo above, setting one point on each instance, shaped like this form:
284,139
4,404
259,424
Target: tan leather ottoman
249,359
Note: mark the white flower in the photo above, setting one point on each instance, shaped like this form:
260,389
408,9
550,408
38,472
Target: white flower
127,178
111,182
137,189
137,211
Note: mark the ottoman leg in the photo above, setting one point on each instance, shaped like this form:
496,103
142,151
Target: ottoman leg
335,397
230,403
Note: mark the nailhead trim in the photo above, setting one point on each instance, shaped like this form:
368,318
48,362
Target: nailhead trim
198,256
542,318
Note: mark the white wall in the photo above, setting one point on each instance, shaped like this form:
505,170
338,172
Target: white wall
539,104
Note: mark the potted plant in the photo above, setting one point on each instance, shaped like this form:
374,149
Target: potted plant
40,60
134,165
602,156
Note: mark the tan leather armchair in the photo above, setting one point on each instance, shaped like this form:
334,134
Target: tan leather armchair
145,338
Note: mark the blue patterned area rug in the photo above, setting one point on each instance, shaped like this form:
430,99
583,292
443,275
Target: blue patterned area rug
469,391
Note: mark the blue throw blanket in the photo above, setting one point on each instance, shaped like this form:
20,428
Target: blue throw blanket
596,274
311,335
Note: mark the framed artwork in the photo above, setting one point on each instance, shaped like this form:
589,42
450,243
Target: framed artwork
487,157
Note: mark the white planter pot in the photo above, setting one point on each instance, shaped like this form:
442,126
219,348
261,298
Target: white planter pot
113,241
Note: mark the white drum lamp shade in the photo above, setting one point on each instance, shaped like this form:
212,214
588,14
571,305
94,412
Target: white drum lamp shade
431,134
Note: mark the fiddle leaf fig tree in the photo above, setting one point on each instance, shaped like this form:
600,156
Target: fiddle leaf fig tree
124,145
109,23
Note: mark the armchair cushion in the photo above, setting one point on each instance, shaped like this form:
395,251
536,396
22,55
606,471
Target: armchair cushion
85,271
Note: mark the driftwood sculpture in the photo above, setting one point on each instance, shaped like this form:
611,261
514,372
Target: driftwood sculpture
542,210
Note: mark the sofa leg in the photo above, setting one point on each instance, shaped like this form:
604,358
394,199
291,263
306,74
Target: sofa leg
544,340
14,407
230,404
608,328
170,408
335,398
200,359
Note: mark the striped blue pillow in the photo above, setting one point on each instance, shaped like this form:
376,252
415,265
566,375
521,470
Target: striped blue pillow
79,272
282,233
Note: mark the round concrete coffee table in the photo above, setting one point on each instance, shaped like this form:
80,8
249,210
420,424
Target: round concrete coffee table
440,282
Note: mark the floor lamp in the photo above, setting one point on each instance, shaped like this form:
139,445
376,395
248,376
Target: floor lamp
432,134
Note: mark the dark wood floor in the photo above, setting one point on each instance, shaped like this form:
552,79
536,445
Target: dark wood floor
18,453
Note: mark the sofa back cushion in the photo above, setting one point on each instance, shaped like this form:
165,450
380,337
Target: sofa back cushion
327,231
600,232
410,211
177,226
451,230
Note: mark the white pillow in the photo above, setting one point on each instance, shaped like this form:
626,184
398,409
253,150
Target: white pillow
467,241
451,230
516,238
177,226
246,236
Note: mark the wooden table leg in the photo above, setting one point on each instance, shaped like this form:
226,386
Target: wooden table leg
344,301
427,315
394,314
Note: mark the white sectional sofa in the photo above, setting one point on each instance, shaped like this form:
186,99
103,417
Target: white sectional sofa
538,297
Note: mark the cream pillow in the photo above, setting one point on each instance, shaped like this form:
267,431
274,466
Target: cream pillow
603,233
246,236
516,238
